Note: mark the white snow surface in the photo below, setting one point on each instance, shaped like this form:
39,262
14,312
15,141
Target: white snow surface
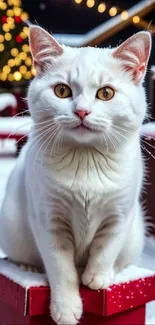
7,100
7,161
15,125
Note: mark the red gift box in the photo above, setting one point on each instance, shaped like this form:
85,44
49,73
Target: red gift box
24,298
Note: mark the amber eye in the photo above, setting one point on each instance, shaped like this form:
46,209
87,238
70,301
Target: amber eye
105,93
62,91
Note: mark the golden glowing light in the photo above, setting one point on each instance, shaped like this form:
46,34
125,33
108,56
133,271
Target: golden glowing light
24,16
17,76
22,55
25,48
10,13
17,11
23,69
28,62
90,3
10,2
6,27
8,37
2,47
136,19
23,35
12,26
10,77
101,7
113,11
17,2
78,1
10,21
6,69
14,52
1,38
26,30
3,5
33,71
28,75
17,61
11,63
3,76
124,15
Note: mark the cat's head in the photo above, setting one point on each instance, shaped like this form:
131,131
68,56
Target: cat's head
90,94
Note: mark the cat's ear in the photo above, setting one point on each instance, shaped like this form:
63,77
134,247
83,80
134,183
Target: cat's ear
134,54
43,46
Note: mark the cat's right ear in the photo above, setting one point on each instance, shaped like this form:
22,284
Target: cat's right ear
43,47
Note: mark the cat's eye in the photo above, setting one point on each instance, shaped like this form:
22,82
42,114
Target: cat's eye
62,91
105,93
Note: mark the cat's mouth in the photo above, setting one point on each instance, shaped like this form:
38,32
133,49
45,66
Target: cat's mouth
81,127
84,128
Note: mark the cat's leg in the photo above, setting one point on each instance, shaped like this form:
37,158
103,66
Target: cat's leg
16,238
105,248
56,245
134,242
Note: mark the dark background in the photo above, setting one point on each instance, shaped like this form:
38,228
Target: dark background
65,16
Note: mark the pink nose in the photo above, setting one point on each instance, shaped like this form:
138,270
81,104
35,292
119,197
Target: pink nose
82,113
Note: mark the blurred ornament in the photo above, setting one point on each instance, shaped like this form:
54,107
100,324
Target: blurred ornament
19,39
4,19
18,20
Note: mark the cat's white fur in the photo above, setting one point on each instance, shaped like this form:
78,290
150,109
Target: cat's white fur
72,200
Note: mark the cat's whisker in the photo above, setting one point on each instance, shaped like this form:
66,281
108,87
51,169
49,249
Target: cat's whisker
20,113
32,132
50,136
111,140
53,149
122,129
40,136
150,145
150,154
25,124
121,135
48,140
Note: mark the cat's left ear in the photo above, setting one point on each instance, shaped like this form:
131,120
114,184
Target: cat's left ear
43,46
134,54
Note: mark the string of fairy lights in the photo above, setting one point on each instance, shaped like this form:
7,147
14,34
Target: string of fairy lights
102,7
20,60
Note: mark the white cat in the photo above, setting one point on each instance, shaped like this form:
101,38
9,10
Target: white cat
72,200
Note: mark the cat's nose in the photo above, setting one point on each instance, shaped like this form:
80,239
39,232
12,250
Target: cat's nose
82,113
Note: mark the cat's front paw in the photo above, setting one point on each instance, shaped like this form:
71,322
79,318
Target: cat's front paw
96,281
67,311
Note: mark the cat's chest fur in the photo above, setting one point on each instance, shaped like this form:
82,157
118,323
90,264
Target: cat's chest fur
86,174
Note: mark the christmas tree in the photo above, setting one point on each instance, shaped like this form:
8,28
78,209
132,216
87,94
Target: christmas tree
15,58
